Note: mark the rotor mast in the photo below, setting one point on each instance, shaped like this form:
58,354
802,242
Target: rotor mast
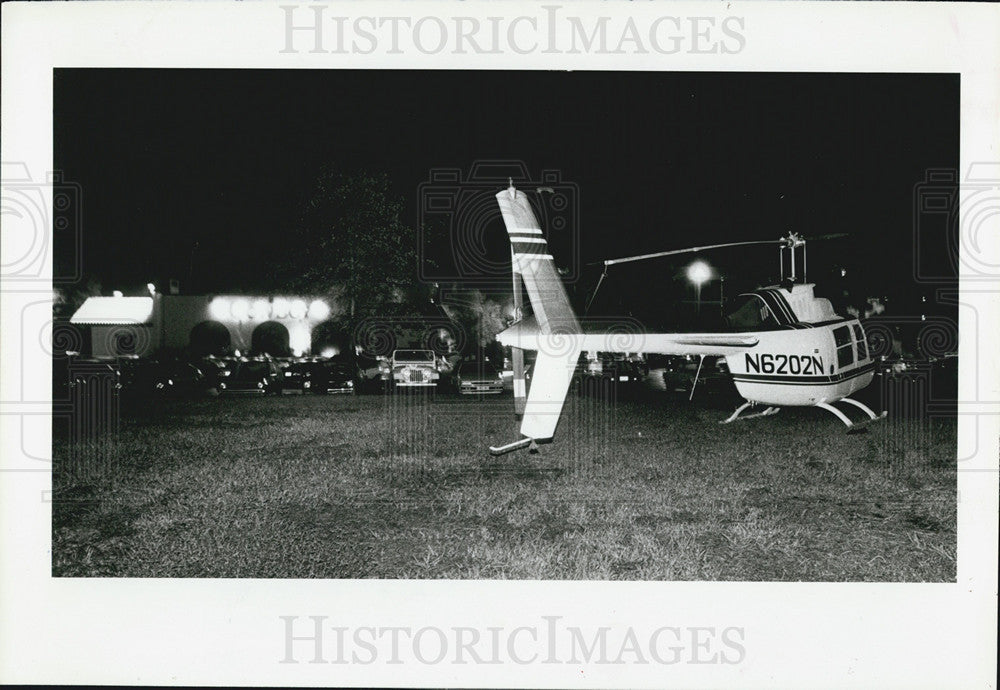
791,242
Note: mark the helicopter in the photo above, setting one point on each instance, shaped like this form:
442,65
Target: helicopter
785,346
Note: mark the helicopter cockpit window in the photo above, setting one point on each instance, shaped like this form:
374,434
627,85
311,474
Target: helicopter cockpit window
750,314
845,346
862,345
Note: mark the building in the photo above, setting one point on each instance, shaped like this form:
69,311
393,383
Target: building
209,324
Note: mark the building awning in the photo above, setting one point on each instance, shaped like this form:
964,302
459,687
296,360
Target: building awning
111,311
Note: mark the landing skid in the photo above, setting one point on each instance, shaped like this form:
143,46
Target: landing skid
852,426
528,443
735,416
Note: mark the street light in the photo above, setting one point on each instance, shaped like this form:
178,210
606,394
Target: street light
699,273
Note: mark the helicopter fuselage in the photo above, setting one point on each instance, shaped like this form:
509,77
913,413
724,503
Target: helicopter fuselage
805,365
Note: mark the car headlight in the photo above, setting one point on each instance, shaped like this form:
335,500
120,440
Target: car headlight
260,384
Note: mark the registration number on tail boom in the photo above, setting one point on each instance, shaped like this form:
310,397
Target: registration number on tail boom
784,364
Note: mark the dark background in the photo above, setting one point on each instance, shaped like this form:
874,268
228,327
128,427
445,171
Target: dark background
199,174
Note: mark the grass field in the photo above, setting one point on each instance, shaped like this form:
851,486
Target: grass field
402,487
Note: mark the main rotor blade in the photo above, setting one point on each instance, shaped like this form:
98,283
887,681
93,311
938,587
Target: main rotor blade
831,236
689,250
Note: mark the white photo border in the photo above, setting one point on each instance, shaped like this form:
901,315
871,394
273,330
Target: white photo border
164,631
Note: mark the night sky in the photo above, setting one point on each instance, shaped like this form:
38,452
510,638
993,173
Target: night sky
197,174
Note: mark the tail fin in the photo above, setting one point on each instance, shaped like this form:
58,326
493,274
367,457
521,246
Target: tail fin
557,337
532,260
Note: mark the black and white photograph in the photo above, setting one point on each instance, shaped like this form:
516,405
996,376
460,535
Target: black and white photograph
498,349
314,306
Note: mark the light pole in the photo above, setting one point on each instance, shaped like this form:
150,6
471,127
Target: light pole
699,273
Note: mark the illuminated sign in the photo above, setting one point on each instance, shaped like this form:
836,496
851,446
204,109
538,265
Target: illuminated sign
262,309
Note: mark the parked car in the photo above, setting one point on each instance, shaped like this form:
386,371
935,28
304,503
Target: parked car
610,371
335,375
374,374
150,377
478,377
507,372
680,371
259,376
414,369
293,376
213,369
72,377
615,367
